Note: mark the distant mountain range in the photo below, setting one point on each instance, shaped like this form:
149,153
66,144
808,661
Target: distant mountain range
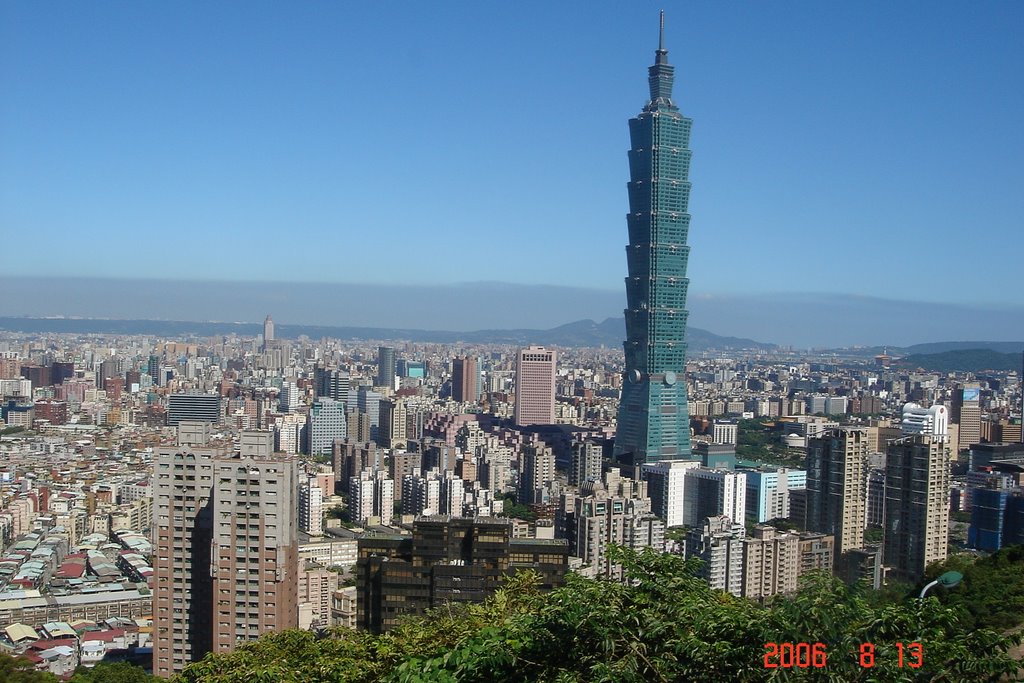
582,333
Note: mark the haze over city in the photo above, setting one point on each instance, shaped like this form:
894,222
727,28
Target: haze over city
842,155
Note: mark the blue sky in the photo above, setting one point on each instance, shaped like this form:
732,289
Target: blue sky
871,149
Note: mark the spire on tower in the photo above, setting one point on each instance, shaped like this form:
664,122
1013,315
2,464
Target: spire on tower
659,76
661,31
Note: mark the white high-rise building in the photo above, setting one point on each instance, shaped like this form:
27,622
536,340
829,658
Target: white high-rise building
311,508
371,495
288,400
714,493
666,486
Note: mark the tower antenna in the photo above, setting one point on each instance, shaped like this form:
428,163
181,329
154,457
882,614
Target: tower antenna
661,31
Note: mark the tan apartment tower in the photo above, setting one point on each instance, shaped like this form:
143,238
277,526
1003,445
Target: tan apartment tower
535,386
837,479
226,545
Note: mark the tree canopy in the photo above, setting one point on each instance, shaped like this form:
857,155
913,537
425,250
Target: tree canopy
664,625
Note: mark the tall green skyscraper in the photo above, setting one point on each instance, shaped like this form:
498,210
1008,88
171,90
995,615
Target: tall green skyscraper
654,421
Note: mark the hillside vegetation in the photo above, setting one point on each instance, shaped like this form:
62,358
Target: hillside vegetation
667,626
967,360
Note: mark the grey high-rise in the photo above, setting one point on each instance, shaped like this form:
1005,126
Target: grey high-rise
654,422
386,366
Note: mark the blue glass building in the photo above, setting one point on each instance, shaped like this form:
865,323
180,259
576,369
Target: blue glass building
653,420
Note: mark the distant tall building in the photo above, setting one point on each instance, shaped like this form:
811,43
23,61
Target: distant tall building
371,494
837,476
332,383
153,368
916,530
386,370
666,486
311,508
193,408
535,386
715,493
966,412
586,463
327,423
536,472
465,380
268,332
653,421
226,546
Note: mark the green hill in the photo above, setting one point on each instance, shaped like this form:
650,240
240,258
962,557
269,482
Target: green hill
965,360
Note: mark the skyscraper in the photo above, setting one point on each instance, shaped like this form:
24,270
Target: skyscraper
226,546
653,422
837,476
535,386
465,379
917,496
386,367
268,332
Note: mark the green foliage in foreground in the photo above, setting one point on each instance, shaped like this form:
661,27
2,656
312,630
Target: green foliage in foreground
992,592
667,626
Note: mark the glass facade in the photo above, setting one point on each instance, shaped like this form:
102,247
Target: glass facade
653,421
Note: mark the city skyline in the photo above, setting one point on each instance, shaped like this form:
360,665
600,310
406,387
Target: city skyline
148,130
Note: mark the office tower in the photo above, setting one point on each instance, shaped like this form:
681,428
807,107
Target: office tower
666,485
997,509
916,503
771,563
718,542
371,497
132,381
536,472
193,408
62,370
332,383
288,401
327,423
653,421
311,508
153,368
768,492
224,525
725,431
714,493
368,404
586,462
415,369
535,386
465,380
446,560
966,413
386,367
268,332
393,423
837,473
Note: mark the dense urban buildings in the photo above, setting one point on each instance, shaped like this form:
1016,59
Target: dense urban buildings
653,422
